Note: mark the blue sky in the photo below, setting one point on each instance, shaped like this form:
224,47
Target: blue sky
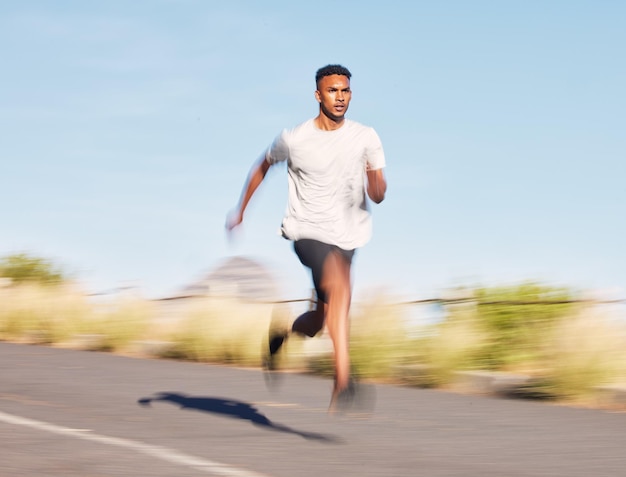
128,128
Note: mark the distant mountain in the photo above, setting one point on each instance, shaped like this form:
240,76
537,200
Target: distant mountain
237,277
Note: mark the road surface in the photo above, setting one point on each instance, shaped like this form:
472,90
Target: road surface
66,413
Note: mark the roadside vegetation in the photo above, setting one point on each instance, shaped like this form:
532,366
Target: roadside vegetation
568,348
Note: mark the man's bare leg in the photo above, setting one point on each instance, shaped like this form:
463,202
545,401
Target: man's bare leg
338,288
309,323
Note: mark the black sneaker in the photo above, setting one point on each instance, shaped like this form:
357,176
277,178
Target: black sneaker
275,343
357,400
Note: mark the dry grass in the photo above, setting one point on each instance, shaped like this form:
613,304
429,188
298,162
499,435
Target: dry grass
578,353
56,315
583,351
378,338
224,331
41,313
452,345
120,322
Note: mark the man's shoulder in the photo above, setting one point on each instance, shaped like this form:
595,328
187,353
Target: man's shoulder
304,126
362,131
360,127
288,134
355,124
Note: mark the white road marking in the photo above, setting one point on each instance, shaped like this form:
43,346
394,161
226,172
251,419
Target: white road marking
163,453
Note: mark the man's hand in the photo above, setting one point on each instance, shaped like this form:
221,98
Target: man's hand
233,219
256,176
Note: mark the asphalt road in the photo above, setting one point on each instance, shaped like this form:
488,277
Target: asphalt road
67,413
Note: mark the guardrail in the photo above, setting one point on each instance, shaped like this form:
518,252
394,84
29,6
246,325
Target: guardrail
453,301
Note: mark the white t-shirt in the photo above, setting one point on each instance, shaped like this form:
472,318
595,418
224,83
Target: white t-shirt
327,177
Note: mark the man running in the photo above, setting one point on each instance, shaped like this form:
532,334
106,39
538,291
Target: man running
332,164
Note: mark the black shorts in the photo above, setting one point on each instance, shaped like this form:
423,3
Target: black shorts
312,254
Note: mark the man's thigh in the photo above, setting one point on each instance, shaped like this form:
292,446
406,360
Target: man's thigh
313,254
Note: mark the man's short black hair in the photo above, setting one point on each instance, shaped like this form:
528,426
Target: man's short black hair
329,70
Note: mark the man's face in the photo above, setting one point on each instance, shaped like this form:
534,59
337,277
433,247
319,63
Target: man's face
334,95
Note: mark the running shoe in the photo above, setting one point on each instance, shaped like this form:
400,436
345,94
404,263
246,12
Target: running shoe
356,400
275,343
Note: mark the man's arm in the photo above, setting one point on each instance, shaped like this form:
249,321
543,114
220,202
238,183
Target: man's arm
256,176
376,185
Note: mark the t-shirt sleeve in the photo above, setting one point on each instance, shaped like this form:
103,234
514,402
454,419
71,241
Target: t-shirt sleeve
279,149
374,154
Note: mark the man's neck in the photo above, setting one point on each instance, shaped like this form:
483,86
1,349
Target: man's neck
325,123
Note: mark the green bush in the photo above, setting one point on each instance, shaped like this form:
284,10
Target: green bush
498,329
23,268
515,318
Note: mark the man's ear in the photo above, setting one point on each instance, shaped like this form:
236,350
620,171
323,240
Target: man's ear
317,96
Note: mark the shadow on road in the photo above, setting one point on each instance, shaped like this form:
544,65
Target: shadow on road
235,409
